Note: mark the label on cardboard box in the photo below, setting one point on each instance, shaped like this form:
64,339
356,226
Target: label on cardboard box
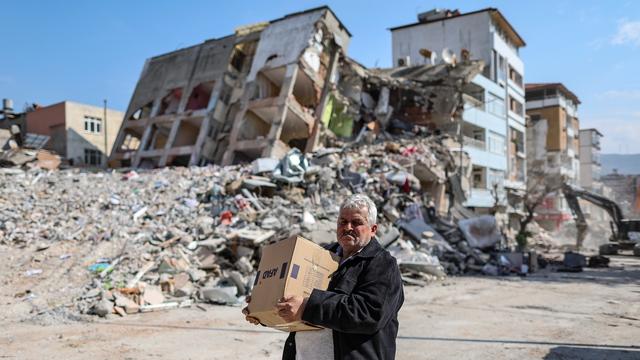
294,266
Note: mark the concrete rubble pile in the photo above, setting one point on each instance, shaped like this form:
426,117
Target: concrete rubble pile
311,125
185,235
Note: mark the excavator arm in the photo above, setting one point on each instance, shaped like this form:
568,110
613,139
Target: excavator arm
581,224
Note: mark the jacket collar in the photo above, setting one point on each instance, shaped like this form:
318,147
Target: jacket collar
371,249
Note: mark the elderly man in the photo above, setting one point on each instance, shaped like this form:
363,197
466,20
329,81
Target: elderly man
359,310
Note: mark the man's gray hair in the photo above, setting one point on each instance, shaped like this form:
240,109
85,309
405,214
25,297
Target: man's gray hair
360,202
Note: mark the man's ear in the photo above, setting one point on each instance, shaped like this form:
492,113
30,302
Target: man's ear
374,228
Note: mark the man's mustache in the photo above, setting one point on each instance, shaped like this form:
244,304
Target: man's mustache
350,233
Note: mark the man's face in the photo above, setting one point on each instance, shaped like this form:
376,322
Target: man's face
354,231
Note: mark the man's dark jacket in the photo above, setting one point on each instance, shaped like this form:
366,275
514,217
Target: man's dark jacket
361,306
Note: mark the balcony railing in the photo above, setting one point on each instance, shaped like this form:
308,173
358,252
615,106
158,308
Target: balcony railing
469,141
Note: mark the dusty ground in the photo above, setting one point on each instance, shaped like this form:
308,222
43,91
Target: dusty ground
589,315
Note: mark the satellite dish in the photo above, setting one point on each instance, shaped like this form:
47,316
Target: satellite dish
448,56
428,55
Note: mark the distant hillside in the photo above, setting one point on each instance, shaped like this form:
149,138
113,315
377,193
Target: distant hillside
628,164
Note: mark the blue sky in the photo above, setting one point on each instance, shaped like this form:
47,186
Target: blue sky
87,51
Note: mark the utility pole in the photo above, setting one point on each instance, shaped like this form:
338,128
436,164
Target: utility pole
106,142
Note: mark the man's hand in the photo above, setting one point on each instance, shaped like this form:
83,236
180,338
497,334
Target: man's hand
247,317
290,308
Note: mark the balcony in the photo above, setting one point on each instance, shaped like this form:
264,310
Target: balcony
297,123
478,144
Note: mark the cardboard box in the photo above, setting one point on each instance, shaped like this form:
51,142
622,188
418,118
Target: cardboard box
294,266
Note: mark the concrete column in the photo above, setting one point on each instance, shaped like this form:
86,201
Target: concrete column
324,98
170,140
206,123
143,143
283,104
227,159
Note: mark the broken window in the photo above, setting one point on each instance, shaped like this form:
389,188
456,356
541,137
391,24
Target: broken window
200,96
170,102
142,112
243,55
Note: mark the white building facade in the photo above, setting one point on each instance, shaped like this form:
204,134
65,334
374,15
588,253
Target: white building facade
493,129
590,166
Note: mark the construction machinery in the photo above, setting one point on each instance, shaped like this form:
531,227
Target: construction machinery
622,237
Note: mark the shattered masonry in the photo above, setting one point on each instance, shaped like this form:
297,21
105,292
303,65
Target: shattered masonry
274,86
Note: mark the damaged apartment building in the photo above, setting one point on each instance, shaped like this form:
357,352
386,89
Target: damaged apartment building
555,144
256,93
492,129
278,85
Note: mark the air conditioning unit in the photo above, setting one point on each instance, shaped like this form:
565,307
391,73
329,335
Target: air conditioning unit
404,61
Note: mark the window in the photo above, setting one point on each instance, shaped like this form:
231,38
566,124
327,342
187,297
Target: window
477,177
92,124
517,137
92,157
541,94
515,76
495,143
494,65
516,106
495,105
502,68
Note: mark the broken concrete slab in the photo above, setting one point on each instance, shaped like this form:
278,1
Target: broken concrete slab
481,232
220,295
152,295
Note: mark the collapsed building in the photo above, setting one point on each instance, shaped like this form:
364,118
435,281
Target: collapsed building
255,93
274,86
